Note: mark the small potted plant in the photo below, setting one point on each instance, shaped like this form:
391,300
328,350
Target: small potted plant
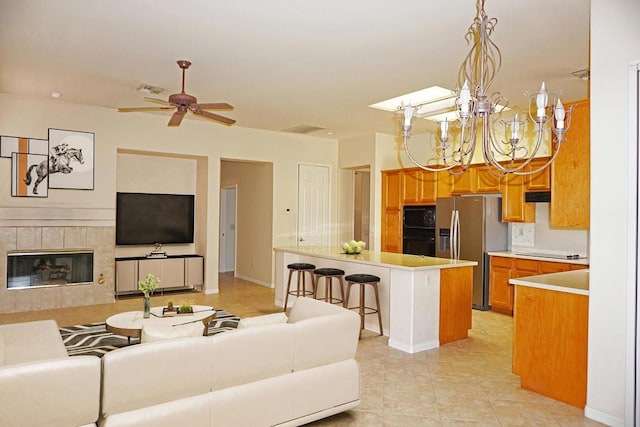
147,286
185,309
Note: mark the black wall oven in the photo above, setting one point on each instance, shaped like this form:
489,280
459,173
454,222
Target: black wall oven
419,230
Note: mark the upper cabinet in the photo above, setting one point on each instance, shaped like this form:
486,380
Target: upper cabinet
570,186
419,187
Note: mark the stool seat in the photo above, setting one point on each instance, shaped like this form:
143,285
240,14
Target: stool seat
329,272
362,278
301,266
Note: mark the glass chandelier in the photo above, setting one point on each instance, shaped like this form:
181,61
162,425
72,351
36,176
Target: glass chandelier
478,113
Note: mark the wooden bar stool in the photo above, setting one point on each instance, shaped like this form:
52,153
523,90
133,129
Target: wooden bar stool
329,274
363,280
300,268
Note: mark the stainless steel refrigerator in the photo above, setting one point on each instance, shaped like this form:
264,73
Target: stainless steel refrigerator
467,227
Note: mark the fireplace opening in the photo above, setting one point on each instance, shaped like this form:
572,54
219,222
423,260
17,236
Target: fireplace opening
49,268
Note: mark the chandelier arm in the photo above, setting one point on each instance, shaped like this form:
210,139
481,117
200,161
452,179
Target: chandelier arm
415,162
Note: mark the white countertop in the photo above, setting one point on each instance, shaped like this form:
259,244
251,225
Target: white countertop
536,256
384,259
574,282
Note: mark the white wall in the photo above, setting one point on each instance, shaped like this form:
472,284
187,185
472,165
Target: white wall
615,43
20,116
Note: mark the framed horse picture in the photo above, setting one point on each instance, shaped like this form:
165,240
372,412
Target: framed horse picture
71,160
22,185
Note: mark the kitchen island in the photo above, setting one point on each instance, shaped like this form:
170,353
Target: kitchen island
425,302
550,334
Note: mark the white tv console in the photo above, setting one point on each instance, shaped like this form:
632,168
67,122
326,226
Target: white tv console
175,272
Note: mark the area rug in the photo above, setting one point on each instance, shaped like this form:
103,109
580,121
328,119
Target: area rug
93,339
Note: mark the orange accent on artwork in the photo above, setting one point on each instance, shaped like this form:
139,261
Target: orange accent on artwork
22,172
23,145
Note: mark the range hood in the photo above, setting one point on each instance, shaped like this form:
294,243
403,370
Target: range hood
537,196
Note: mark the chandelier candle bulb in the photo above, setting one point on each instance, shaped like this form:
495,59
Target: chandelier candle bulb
444,127
559,113
541,101
515,127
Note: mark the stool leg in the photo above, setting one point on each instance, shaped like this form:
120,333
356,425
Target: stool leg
329,282
346,299
298,272
286,298
341,287
313,284
375,290
361,308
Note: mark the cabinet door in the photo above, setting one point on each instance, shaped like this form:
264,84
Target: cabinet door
150,266
514,209
391,211
486,180
194,271
169,270
526,267
429,192
570,189
540,181
578,267
411,186
465,183
500,290
126,276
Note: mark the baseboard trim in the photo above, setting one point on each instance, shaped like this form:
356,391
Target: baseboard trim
603,417
413,348
253,280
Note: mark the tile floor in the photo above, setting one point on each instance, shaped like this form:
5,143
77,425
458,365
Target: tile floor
467,382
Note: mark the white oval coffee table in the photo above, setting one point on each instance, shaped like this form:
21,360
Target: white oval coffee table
129,323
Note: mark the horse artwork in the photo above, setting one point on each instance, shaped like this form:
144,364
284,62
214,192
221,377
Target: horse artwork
59,161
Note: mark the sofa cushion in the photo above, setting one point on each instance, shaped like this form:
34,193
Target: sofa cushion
32,341
159,332
59,392
267,319
252,354
137,376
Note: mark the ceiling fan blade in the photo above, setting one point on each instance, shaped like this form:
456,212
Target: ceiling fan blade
214,117
176,119
215,106
133,110
158,101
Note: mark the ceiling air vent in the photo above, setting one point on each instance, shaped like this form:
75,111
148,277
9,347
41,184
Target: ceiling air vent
582,74
304,129
149,89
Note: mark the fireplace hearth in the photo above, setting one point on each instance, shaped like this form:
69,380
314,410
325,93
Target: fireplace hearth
49,268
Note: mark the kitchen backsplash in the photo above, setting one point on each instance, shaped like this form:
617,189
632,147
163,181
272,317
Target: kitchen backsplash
540,237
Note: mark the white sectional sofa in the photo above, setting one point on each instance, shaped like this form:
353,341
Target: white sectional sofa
291,372
275,374
39,384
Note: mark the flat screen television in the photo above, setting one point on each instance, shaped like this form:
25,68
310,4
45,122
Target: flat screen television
146,218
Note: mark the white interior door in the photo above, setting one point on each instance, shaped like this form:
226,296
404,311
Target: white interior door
313,206
227,248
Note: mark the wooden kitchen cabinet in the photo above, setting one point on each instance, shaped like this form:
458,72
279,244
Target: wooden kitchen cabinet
570,173
540,181
514,208
392,211
486,180
550,343
465,183
501,292
419,187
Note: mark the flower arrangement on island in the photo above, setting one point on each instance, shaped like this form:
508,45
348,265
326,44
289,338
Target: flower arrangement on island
353,247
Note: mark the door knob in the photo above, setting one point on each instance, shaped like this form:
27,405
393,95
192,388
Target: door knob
301,239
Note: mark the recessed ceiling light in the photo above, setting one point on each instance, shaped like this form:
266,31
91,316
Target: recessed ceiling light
56,95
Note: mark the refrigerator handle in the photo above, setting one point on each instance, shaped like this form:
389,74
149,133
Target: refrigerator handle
452,235
458,235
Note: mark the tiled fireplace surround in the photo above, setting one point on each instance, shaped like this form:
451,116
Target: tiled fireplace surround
101,240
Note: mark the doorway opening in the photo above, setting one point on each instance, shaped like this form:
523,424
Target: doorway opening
227,250
355,204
